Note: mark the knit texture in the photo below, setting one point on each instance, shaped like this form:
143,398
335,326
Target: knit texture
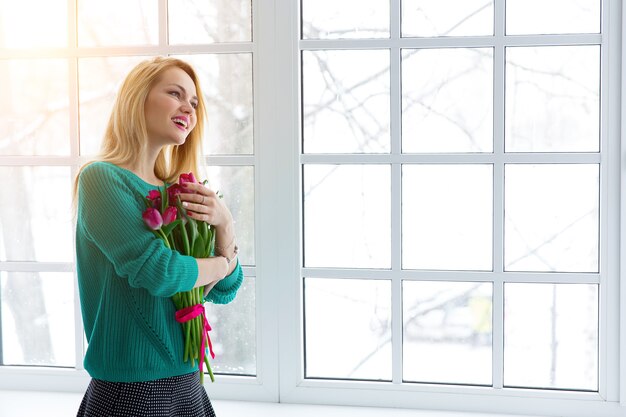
126,277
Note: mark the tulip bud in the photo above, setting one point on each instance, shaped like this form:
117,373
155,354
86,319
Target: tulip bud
155,197
173,191
184,178
170,215
152,218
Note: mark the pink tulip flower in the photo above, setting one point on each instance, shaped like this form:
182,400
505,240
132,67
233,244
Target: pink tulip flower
152,218
170,215
173,191
185,178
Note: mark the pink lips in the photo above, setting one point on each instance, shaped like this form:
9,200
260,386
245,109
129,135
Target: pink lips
185,119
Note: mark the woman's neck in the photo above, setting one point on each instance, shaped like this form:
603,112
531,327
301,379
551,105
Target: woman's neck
144,169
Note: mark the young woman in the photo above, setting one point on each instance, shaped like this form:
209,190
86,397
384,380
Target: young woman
126,275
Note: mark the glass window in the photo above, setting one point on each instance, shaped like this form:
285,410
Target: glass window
551,218
553,341
347,19
37,310
226,81
552,99
55,108
447,332
346,101
451,229
459,165
347,216
36,214
447,100
33,24
552,16
195,22
34,107
348,328
447,18
117,22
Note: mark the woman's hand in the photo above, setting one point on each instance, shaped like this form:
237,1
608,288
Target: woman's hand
211,270
203,204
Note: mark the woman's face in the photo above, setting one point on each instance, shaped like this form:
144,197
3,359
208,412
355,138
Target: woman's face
170,108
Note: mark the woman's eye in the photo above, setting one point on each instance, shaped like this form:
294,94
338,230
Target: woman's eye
175,93
194,105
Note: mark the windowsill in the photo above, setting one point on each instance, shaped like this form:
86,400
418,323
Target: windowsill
53,404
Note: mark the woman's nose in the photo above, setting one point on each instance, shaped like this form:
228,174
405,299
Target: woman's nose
187,108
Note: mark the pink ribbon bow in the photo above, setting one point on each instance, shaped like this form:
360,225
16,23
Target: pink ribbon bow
189,313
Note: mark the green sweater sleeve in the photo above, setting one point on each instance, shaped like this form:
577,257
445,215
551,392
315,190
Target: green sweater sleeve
109,214
225,291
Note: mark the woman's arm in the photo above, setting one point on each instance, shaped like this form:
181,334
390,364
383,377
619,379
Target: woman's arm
211,271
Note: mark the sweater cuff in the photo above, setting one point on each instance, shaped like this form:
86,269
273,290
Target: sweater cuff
225,291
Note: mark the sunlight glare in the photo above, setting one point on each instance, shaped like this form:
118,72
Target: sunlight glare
33,23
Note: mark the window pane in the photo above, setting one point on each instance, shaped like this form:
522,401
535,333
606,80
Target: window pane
552,99
37,318
551,336
117,22
36,214
201,22
347,216
552,16
33,23
346,101
99,80
236,184
226,81
447,217
34,117
347,328
447,100
447,18
447,332
329,19
234,332
551,218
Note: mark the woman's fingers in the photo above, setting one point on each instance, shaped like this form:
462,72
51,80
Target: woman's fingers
203,204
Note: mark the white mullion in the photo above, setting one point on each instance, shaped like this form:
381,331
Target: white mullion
42,160
396,272
454,41
264,58
498,196
609,294
114,51
395,72
72,22
34,266
621,142
74,161
458,158
74,120
462,276
240,160
285,157
163,23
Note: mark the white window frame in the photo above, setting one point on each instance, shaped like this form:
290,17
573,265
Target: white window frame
278,270
294,387
263,386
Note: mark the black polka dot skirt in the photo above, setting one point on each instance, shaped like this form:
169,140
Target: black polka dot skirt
178,396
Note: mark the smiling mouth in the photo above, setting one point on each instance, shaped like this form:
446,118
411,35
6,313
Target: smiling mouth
180,123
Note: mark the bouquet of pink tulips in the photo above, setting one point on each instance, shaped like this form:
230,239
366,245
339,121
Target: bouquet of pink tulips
168,220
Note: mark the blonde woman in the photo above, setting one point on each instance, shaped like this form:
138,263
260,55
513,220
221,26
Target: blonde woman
126,275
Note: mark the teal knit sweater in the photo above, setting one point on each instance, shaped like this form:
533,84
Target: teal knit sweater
126,277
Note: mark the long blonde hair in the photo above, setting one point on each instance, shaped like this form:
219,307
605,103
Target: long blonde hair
126,134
